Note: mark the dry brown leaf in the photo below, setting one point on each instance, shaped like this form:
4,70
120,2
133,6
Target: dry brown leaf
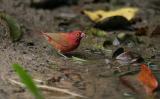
147,78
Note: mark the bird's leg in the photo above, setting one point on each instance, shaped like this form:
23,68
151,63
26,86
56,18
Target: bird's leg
62,54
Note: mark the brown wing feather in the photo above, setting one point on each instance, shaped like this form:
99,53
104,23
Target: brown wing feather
59,38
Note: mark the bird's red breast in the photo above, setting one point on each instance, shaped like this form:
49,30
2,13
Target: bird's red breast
64,42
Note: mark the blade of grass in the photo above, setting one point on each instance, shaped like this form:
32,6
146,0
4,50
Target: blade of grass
27,80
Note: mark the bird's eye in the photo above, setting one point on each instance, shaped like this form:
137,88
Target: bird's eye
77,34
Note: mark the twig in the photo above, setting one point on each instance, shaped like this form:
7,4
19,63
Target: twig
48,88
38,81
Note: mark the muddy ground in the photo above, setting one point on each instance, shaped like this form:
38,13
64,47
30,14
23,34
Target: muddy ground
93,78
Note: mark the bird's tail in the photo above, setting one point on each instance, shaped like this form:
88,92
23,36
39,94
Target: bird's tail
42,33
46,36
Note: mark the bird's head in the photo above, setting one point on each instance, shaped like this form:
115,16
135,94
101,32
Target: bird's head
77,35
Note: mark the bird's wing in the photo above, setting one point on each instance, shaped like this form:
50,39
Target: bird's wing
59,38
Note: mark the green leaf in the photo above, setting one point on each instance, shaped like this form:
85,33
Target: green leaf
27,80
96,32
15,30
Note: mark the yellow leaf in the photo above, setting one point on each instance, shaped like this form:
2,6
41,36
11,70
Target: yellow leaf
99,15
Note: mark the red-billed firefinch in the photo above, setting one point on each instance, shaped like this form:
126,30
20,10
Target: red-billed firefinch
64,42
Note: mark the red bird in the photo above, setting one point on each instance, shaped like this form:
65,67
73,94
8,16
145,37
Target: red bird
64,42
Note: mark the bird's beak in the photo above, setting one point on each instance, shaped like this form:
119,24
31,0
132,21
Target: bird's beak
82,35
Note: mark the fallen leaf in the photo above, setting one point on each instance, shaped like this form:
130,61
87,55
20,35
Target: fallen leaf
114,22
96,32
128,38
147,78
129,57
14,27
99,15
117,52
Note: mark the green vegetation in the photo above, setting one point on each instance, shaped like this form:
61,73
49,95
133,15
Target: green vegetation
27,80
15,30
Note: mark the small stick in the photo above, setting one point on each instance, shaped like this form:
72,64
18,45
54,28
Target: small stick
48,88
38,81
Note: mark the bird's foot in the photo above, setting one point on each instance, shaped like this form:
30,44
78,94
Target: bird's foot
62,55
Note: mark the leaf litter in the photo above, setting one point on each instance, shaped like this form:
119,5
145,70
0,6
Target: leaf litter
102,44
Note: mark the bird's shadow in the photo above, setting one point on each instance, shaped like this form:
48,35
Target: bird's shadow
84,55
75,54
